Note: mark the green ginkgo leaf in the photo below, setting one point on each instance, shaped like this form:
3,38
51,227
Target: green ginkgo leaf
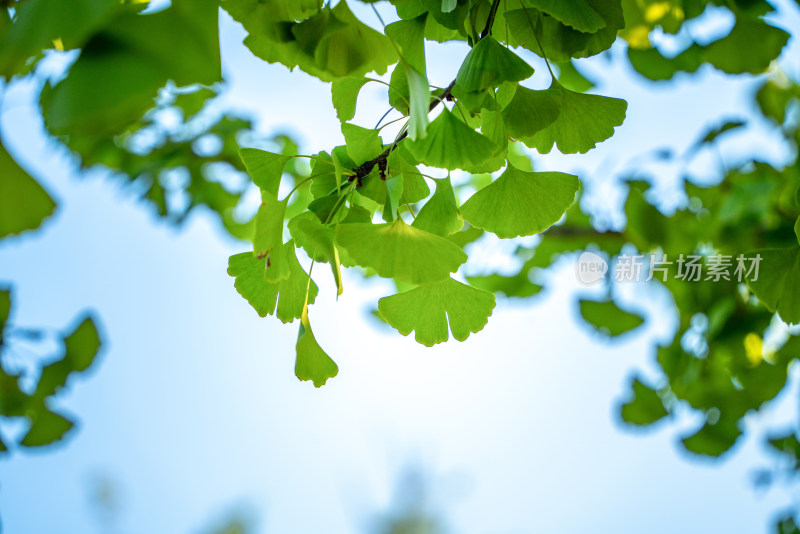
289,294
312,362
279,263
397,250
521,203
24,204
531,111
440,215
797,230
426,309
776,282
489,64
584,120
645,408
46,427
317,240
344,93
265,168
575,13
269,225
409,37
726,53
608,318
451,144
362,144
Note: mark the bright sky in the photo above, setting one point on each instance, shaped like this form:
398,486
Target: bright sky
194,409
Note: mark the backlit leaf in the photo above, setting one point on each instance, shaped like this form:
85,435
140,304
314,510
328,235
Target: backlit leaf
583,121
521,203
451,144
396,250
427,309
608,318
312,363
440,215
24,204
289,294
489,64
645,408
778,281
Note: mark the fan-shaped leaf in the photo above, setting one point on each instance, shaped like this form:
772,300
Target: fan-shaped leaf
427,308
584,120
289,294
396,250
777,281
265,168
575,13
608,318
489,64
440,215
24,204
344,93
521,203
312,363
645,408
451,144
531,111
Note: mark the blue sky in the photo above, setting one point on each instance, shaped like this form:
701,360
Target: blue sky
194,409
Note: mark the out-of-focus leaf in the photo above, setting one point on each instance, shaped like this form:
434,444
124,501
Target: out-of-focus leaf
24,204
645,408
47,427
427,308
312,362
608,318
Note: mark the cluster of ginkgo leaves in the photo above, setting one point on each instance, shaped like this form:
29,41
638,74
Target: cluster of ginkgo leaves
371,205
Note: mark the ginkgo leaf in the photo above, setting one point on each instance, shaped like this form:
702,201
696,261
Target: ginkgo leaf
397,250
645,408
265,168
312,362
409,37
776,283
362,144
269,225
534,30
440,215
419,103
80,350
608,318
24,204
575,13
451,144
531,111
489,64
725,54
289,294
46,427
427,309
583,121
344,93
318,241
279,263
521,203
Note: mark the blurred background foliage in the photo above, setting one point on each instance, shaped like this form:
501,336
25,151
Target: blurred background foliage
150,118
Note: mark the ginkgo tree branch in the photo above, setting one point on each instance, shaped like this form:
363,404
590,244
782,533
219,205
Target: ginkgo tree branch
365,168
